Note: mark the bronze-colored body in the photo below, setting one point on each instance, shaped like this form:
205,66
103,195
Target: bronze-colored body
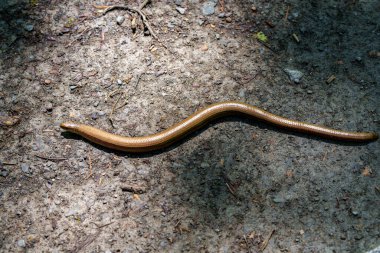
201,117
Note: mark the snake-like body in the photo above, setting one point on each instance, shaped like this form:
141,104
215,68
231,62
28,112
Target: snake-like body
199,119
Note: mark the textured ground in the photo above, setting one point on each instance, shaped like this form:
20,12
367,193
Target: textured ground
231,187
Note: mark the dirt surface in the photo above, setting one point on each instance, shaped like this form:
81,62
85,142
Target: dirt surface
237,185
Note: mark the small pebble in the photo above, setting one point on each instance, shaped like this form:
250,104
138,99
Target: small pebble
279,199
49,107
200,22
205,165
96,103
242,93
218,82
94,115
309,92
21,243
120,20
4,172
208,8
294,75
181,10
73,87
29,27
25,168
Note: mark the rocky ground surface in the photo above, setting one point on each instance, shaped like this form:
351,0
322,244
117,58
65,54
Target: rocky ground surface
237,185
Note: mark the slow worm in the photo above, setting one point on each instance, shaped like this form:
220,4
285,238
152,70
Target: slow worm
200,118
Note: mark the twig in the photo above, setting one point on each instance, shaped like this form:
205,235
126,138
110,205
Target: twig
134,188
231,190
142,5
247,243
86,242
79,36
138,11
102,226
287,13
51,158
114,105
267,46
221,2
113,93
264,244
8,163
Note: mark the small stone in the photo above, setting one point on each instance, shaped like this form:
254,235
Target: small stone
96,103
181,10
217,36
25,168
73,87
119,82
294,75
242,93
4,172
120,20
94,115
309,92
200,22
47,81
229,19
218,82
28,27
205,165
279,199
356,213
49,107
208,8
221,15
21,243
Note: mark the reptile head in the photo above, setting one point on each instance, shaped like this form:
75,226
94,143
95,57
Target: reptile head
69,126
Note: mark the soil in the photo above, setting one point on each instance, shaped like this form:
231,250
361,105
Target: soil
237,185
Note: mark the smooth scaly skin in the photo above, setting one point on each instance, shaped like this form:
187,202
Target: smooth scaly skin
200,118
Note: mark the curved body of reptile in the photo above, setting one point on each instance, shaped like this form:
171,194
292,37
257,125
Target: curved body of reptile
200,118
